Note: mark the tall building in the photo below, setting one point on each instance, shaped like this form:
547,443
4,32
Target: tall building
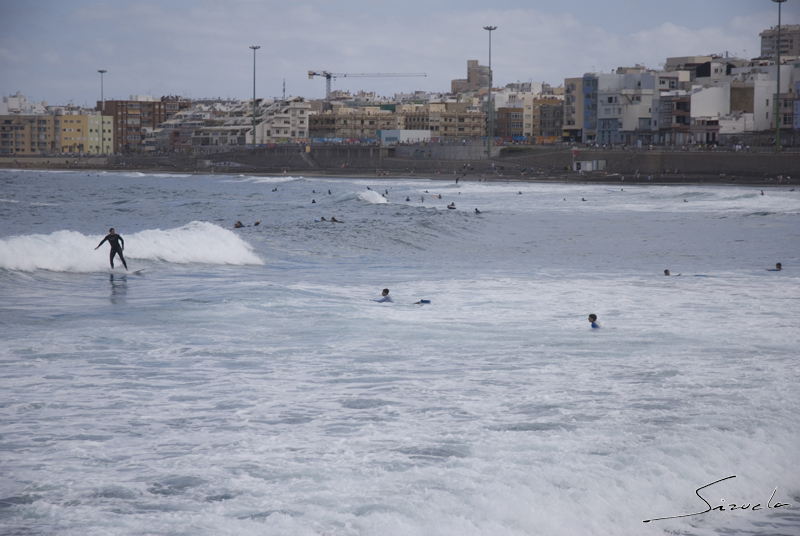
573,109
134,118
478,77
790,41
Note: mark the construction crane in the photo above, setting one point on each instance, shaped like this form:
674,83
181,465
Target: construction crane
328,76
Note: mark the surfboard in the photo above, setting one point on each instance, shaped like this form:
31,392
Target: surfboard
138,272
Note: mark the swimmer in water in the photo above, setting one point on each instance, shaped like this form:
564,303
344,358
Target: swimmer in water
386,298
777,268
666,272
593,320
117,245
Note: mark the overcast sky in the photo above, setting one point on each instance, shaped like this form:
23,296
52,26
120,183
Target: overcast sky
51,49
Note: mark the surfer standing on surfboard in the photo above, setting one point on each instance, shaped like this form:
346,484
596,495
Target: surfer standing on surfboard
114,241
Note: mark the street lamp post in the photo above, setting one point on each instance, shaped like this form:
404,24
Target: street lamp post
490,107
778,92
102,111
254,94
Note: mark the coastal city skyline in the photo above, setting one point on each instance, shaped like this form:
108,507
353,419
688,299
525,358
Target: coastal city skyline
51,52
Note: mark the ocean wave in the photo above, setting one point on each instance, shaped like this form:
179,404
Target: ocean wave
371,196
71,251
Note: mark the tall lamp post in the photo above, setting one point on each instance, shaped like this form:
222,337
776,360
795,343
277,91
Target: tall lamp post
490,107
102,111
778,92
254,47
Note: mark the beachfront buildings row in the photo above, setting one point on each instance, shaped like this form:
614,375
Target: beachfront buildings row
695,100
34,128
692,100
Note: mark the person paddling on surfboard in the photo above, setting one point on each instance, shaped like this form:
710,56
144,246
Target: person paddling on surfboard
114,241
386,298
777,268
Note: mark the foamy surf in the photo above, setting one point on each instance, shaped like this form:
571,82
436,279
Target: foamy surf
71,251
371,196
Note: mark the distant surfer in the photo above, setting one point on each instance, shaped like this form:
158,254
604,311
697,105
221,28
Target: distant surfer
385,297
117,245
477,211
256,224
451,206
593,320
777,268
666,272
238,225
334,220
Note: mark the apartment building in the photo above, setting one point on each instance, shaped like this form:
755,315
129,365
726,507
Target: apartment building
27,135
573,109
276,122
351,123
442,120
284,120
84,134
478,77
508,122
551,122
532,108
789,45
130,117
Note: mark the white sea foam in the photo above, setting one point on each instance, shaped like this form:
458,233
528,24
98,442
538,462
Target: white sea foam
371,196
215,399
70,251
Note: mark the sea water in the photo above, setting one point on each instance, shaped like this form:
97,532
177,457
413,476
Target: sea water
245,383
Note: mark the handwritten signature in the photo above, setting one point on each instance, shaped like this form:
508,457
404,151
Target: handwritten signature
721,507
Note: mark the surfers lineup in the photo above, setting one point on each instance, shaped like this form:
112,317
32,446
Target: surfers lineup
117,244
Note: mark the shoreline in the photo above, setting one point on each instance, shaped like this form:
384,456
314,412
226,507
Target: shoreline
569,177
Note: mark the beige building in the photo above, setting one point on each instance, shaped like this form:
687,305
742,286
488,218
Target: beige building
351,123
573,109
478,77
86,134
442,120
532,113
790,41
27,135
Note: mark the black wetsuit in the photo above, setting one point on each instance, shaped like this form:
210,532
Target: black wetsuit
114,241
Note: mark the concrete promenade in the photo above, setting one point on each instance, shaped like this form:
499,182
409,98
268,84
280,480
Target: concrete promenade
540,163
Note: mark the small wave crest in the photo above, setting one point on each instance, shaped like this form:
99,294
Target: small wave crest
371,196
71,251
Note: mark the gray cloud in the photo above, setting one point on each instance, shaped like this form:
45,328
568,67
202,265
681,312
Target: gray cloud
52,51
